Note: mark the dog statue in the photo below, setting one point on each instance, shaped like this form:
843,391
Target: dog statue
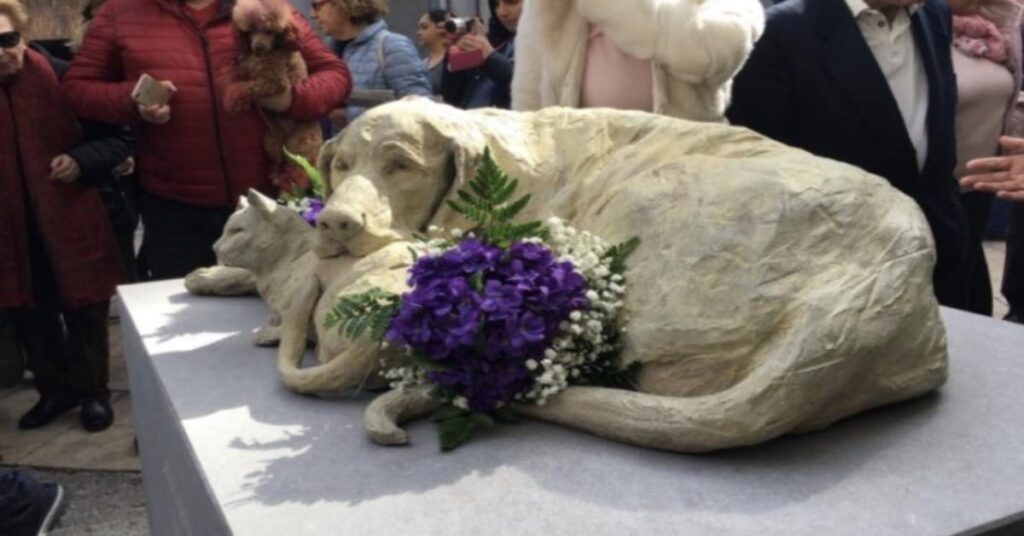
270,64
773,291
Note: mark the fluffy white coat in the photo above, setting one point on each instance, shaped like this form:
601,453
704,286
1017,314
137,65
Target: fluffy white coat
697,47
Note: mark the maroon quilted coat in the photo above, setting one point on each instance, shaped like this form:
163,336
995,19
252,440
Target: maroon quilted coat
203,156
35,126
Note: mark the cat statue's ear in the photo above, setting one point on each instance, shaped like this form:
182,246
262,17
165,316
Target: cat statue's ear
263,204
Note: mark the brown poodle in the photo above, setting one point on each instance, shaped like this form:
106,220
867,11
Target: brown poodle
269,64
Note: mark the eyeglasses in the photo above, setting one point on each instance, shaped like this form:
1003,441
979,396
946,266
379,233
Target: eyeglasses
10,39
317,4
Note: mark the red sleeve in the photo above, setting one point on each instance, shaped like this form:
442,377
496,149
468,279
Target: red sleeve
329,82
93,84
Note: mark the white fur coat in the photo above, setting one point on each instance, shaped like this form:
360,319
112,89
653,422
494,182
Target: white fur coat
697,47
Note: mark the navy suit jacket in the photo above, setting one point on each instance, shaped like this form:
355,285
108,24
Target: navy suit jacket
813,83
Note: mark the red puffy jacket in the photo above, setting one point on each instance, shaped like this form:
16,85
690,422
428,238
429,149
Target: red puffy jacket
203,156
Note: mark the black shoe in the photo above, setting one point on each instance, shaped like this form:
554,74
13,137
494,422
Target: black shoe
44,512
46,411
97,415
1014,316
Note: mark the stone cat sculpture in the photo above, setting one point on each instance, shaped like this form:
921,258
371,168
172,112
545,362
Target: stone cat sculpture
264,248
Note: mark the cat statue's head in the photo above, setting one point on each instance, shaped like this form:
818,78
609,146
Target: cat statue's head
261,234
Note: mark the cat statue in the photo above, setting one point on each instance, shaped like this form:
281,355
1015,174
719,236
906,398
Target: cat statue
265,248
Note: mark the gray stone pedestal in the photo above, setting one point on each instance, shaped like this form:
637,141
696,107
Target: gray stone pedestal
226,450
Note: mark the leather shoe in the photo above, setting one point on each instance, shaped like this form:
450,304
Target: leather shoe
45,411
1014,316
97,415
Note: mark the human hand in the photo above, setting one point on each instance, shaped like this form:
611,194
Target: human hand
472,41
65,169
125,168
1001,175
277,103
158,114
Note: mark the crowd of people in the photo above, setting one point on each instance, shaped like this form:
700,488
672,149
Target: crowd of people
923,93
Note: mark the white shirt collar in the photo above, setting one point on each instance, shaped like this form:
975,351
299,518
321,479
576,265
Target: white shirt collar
858,7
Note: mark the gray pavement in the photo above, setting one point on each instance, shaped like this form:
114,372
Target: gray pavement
99,503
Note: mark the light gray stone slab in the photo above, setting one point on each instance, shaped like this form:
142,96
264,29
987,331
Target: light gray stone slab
225,449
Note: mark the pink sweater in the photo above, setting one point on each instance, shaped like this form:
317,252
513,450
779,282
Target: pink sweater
614,79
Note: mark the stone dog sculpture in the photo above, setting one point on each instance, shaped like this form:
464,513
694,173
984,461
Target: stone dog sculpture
773,292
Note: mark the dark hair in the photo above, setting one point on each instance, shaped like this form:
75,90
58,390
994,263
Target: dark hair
364,11
497,33
437,16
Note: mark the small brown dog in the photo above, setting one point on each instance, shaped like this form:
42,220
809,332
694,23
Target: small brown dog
269,64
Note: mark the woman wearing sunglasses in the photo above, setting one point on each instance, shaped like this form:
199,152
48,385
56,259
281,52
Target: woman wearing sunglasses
58,258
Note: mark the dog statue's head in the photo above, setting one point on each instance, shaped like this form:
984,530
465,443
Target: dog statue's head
390,172
264,25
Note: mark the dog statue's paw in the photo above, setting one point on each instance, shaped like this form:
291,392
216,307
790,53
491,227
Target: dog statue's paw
267,336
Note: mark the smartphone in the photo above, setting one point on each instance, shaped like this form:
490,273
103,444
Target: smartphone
148,91
459,60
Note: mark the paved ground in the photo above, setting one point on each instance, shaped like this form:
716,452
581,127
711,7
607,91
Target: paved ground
100,471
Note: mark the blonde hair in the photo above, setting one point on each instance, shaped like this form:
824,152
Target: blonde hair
364,11
16,12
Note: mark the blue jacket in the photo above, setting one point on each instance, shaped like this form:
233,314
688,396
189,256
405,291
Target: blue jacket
813,83
402,71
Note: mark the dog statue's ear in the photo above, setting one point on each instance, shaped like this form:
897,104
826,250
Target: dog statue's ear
324,158
466,145
243,203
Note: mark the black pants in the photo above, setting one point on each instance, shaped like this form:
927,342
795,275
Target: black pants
67,350
978,283
1013,273
178,237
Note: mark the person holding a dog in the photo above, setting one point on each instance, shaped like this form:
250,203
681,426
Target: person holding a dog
194,158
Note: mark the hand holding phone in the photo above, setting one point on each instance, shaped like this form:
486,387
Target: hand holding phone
153,97
149,91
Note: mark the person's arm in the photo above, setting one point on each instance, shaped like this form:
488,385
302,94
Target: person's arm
762,93
329,81
107,148
529,58
94,84
454,85
402,68
1001,175
499,68
699,41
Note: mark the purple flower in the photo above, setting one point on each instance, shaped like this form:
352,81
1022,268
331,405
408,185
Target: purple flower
311,213
479,313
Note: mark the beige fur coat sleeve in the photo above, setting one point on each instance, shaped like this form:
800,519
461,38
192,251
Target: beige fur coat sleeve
697,47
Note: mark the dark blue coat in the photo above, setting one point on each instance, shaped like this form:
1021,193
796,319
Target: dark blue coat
812,82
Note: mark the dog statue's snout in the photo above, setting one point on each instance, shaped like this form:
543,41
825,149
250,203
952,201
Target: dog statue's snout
340,223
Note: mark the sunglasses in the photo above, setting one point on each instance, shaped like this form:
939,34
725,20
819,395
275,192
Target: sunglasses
317,4
10,39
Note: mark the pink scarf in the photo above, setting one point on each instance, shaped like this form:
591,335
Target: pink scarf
980,38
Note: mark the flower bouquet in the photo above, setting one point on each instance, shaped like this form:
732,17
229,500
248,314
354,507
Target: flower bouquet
507,313
307,202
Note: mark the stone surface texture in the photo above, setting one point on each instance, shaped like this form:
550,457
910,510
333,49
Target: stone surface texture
773,291
227,450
